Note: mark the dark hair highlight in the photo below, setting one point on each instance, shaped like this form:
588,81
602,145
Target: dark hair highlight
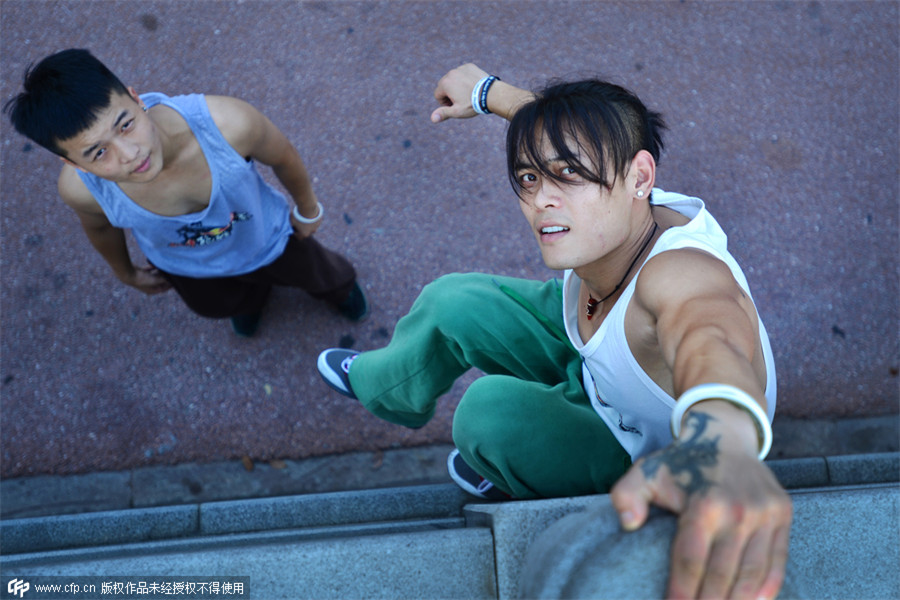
63,94
609,123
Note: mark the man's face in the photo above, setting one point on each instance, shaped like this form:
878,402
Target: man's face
576,222
122,145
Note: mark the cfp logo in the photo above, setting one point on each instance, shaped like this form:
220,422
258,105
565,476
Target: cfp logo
18,587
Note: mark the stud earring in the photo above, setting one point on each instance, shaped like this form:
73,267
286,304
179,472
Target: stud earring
145,108
640,193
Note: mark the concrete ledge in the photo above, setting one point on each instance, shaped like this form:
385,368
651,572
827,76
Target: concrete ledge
862,469
366,506
46,495
431,564
857,469
239,516
98,528
196,483
517,524
844,537
329,509
806,440
843,545
51,558
800,472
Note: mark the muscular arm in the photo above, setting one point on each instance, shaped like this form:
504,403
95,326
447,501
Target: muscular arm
253,135
109,241
734,517
706,327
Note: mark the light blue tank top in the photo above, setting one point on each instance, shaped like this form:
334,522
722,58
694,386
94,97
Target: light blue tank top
635,408
246,225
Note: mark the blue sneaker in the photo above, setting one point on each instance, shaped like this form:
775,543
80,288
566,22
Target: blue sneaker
465,477
334,367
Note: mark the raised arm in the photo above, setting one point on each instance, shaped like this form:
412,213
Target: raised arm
734,517
454,94
109,241
253,135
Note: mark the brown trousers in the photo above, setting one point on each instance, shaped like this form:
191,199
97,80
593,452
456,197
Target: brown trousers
306,264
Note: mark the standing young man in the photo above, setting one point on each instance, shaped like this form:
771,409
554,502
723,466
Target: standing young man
179,172
582,375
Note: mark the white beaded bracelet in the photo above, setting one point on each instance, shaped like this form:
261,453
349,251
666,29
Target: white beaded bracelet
728,393
315,219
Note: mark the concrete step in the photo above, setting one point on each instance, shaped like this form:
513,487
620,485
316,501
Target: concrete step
305,511
433,541
391,543
428,563
337,513
821,447
843,545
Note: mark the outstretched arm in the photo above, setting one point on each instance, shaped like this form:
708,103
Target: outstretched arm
454,94
734,518
253,135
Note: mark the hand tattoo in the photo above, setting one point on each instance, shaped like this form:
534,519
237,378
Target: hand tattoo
687,457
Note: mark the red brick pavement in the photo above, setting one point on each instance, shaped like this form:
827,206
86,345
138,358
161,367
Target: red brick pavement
783,118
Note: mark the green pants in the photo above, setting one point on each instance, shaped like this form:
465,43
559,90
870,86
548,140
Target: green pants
526,425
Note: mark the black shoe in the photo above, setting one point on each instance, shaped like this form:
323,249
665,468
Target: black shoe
245,325
355,307
334,367
473,483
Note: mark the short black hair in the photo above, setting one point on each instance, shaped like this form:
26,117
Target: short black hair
609,123
63,95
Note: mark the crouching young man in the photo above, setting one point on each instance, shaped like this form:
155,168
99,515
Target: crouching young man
646,372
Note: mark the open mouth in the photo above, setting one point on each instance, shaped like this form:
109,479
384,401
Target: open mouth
551,233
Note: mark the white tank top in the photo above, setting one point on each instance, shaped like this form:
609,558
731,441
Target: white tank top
633,406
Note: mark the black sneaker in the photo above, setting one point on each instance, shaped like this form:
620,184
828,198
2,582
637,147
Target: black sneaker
355,307
245,325
334,367
470,481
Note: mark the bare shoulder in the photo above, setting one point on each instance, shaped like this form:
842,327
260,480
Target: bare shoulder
74,193
238,120
226,108
249,131
676,276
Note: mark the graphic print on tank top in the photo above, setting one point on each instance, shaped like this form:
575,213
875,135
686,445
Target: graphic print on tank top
198,234
622,425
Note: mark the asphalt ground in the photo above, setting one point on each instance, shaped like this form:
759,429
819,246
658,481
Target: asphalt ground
783,118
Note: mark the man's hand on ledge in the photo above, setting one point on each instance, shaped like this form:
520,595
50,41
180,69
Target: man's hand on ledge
734,517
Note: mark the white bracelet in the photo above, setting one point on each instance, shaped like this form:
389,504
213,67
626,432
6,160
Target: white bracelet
729,393
315,219
476,96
